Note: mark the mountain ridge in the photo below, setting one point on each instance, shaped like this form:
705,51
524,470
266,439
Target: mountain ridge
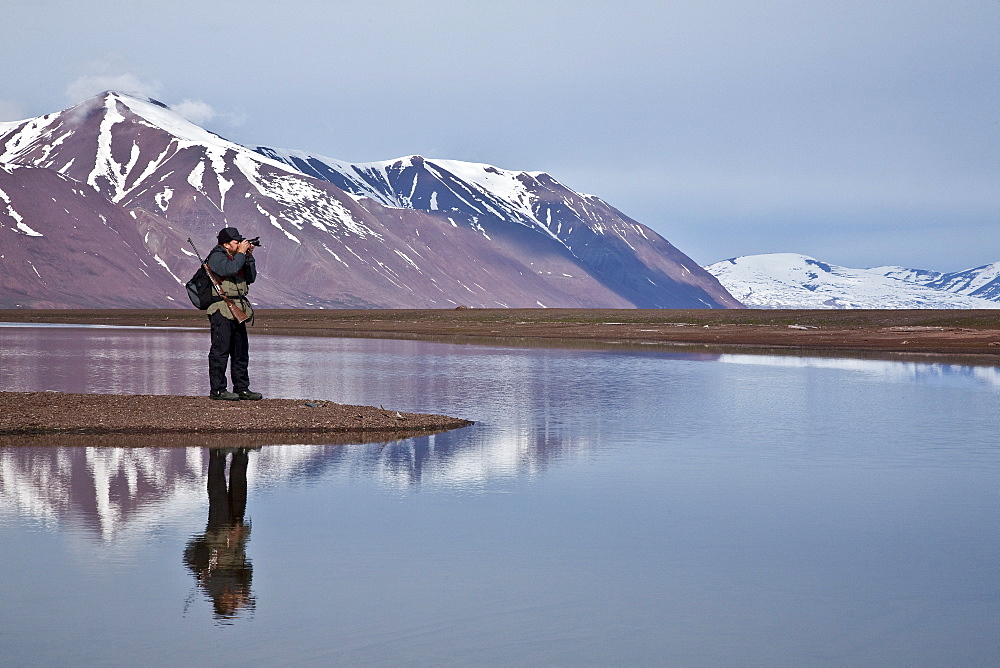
324,247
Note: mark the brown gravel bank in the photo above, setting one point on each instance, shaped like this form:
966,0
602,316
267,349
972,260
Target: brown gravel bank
970,335
175,420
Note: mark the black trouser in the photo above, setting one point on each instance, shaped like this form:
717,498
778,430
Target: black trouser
229,345
227,503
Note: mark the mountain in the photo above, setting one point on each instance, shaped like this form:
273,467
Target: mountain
789,280
62,240
982,282
621,253
329,242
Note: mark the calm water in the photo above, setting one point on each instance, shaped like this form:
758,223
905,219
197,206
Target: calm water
607,508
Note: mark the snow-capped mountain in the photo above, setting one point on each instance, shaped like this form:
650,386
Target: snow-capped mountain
620,252
982,282
789,280
167,180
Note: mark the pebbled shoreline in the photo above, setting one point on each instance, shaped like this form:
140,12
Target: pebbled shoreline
181,420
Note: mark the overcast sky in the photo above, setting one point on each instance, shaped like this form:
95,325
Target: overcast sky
861,133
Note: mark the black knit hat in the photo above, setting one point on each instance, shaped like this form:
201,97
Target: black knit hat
229,234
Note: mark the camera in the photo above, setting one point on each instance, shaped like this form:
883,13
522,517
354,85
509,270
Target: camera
255,241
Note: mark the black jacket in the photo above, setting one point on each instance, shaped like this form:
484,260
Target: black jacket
223,267
235,276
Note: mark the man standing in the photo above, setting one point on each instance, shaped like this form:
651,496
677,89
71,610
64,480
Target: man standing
233,265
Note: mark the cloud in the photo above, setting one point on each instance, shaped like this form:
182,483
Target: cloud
202,113
113,73
92,84
196,111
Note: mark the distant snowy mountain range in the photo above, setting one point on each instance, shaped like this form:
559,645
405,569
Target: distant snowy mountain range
788,280
97,203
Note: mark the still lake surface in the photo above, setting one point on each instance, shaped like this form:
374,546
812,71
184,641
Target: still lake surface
607,508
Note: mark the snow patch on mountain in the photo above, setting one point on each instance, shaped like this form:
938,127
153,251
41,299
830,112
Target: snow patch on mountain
11,211
918,276
790,280
161,117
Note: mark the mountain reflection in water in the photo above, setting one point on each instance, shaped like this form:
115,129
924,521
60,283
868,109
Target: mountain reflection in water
115,493
119,495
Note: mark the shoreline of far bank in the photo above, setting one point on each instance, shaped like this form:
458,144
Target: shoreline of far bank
967,336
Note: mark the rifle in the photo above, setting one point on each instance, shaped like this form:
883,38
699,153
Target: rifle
237,312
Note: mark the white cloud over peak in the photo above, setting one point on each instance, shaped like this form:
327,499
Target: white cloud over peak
92,84
196,111
113,73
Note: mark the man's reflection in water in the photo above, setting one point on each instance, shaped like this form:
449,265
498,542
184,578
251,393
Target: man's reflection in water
218,557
